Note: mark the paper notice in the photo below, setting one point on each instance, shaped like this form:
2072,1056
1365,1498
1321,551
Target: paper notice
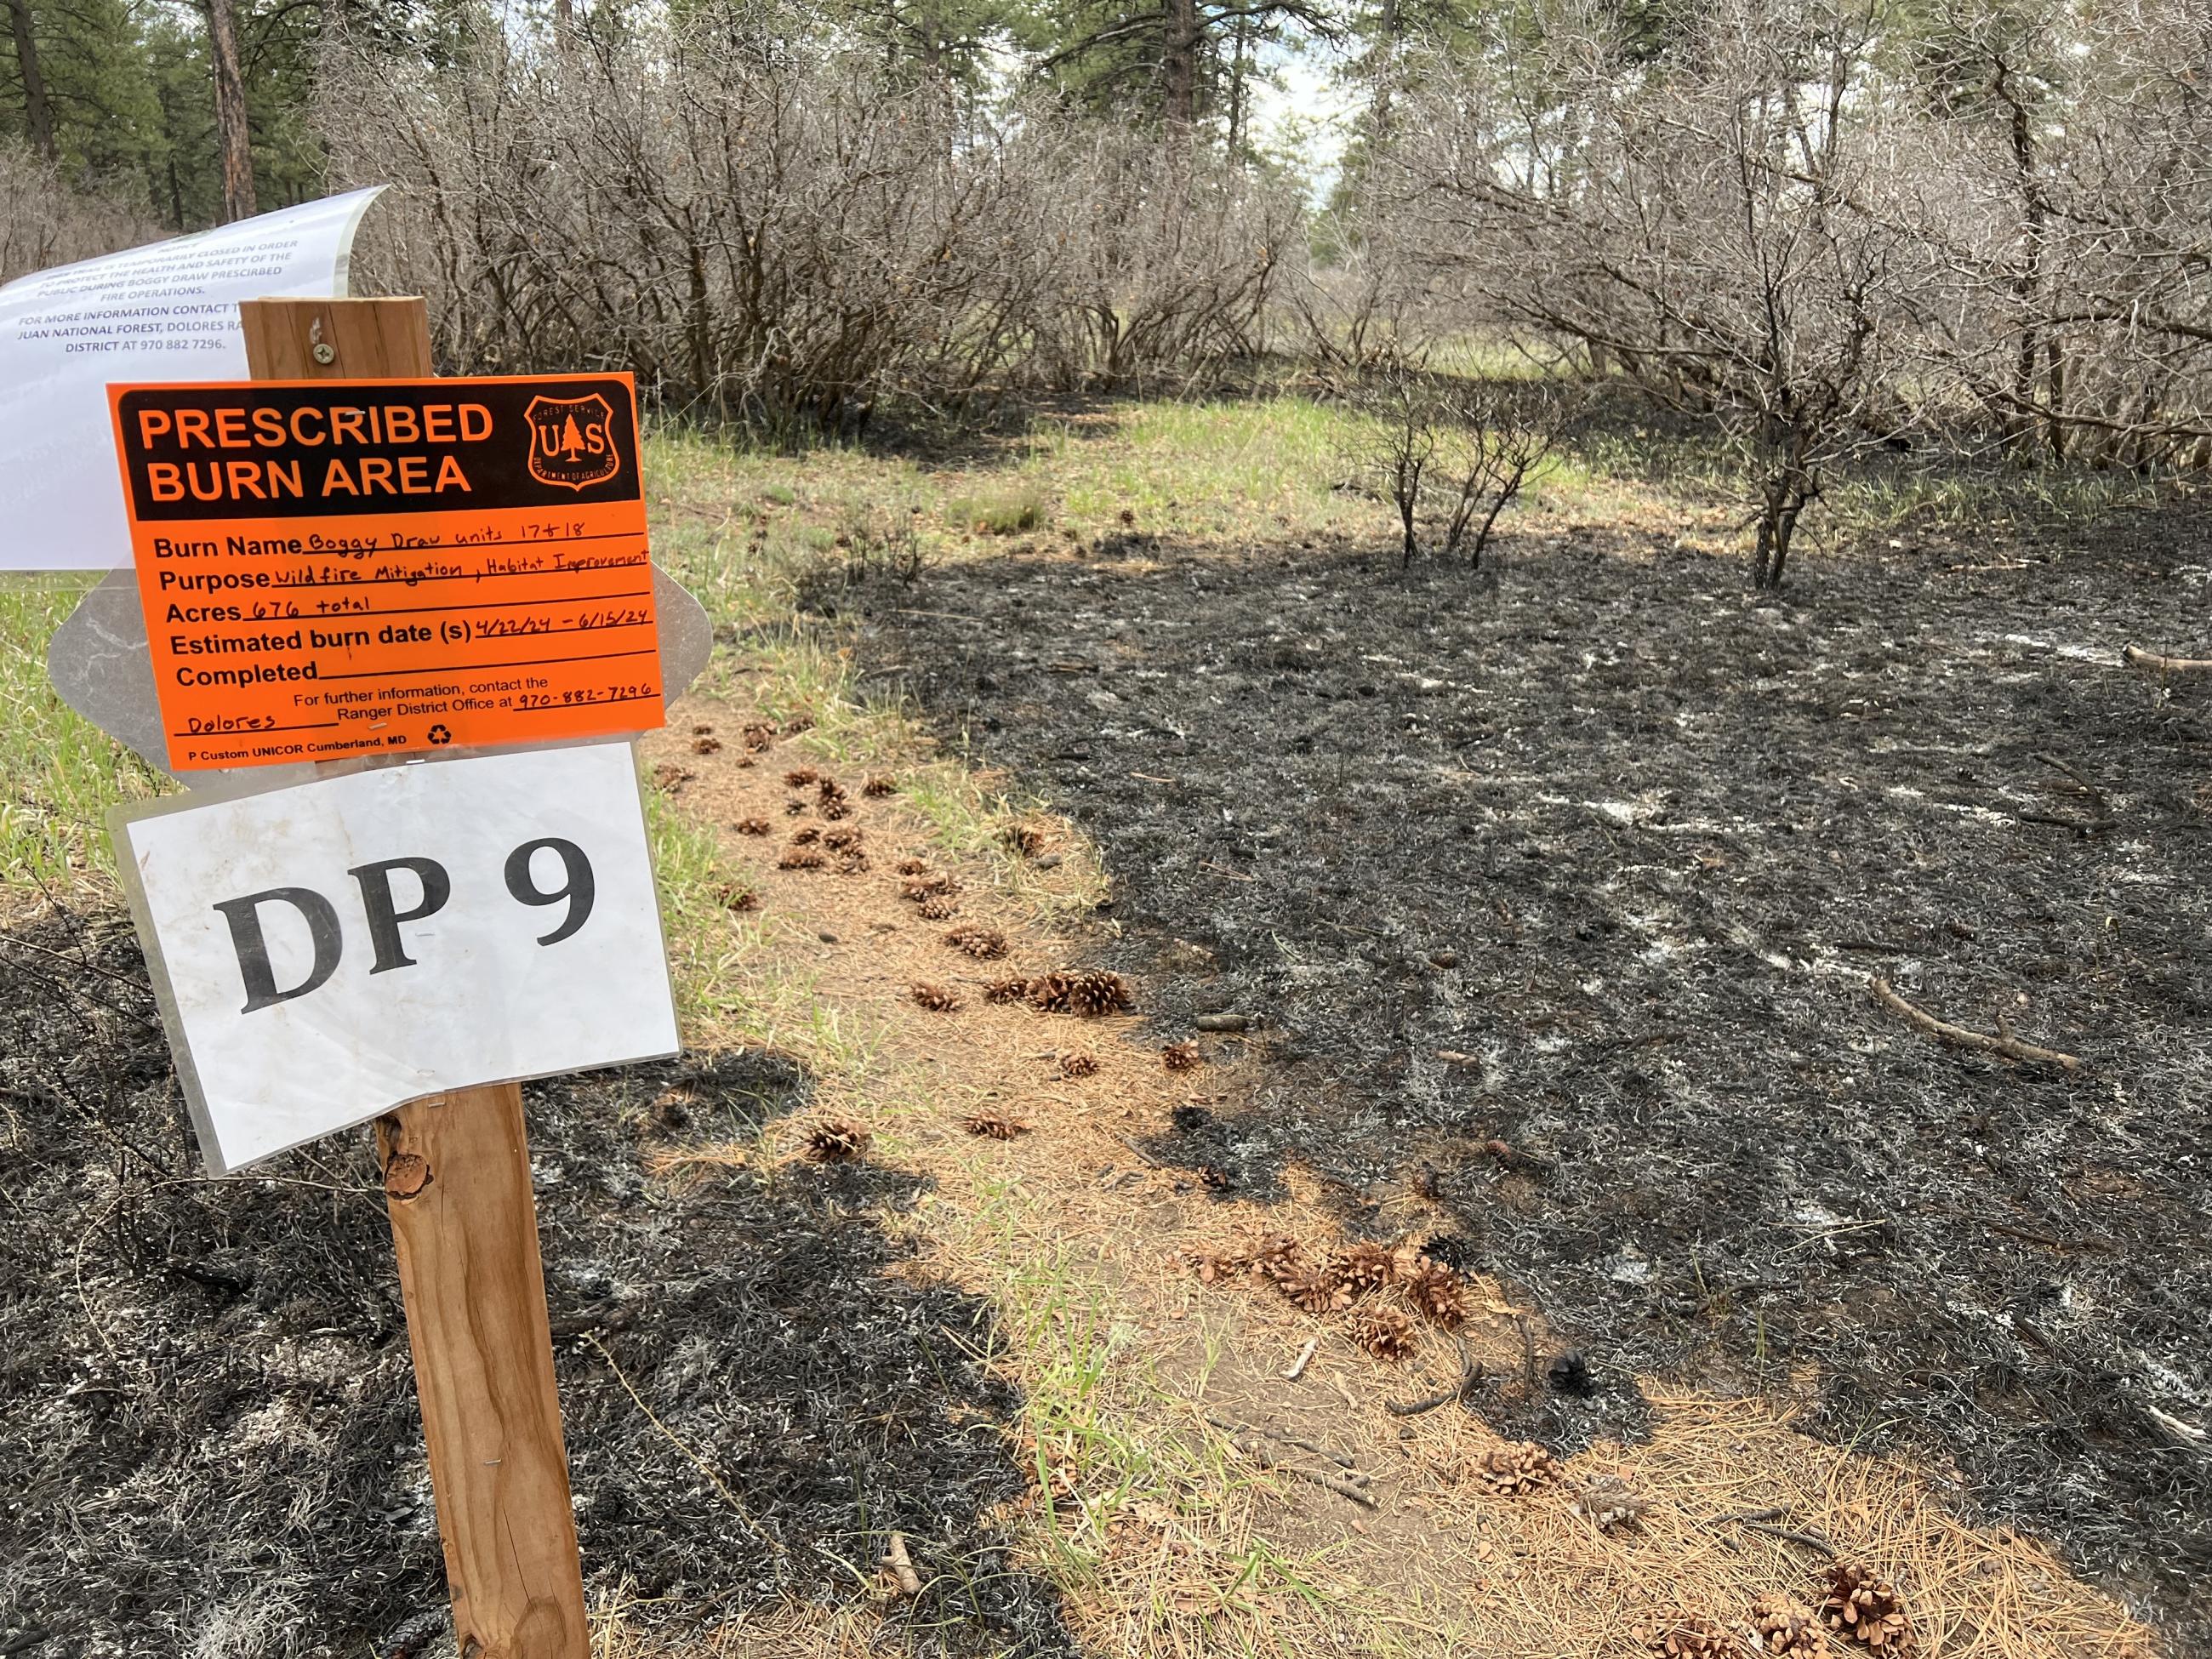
165,311
325,952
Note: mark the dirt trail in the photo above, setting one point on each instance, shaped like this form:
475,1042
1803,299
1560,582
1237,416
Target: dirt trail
1111,1164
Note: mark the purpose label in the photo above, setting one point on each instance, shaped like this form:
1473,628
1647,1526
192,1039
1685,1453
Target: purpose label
336,567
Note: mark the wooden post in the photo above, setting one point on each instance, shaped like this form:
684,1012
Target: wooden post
464,1221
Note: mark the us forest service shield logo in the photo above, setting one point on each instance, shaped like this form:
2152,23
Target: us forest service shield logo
572,441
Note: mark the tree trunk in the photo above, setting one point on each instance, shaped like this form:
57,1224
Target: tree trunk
2028,280
1180,67
233,138
38,114
1388,27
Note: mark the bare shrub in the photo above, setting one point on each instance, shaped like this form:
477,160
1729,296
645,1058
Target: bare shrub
1719,225
43,222
766,227
1451,456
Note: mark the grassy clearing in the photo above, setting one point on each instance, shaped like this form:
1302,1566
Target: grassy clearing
60,774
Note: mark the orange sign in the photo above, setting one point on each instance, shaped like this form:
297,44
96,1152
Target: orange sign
340,568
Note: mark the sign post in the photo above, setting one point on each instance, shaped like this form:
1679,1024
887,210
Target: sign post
463,1219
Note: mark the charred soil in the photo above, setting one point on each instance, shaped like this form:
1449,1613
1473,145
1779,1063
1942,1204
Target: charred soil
208,1439
1556,889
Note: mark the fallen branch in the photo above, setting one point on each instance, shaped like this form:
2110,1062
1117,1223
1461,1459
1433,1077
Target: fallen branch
2004,1043
2151,662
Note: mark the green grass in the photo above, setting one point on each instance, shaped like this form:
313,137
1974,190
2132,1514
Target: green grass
61,773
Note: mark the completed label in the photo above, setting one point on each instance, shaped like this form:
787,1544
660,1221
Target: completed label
338,567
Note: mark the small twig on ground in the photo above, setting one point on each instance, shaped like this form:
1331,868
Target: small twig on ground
1305,1359
1246,1439
1139,1151
2155,663
1470,1379
901,1564
1342,1460
2100,815
2004,1043
1763,1520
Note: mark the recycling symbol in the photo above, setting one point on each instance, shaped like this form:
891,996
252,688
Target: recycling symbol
439,734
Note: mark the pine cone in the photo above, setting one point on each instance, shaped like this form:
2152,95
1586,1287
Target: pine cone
1215,1179
758,737
1863,1607
1078,1064
1276,1255
852,863
806,835
830,790
836,1141
801,858
671,777
794,809
926,883
1026,839
1212,1268
1692,1635
800,778
876,788
997,1126
1515,1471
940,908
705,745
911,866
1780,1628
1180,1056
835,809
984,944
752,826
936,998
1006,990
797,724
734,897
1365,1267
1437,1291
702,731
1318,1289
1382,1331
1069,990
844,837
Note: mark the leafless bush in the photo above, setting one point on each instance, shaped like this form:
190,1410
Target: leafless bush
43,222
1451,456
1354,308
1723,228
765,227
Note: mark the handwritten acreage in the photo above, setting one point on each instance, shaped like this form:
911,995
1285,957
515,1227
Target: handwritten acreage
338,567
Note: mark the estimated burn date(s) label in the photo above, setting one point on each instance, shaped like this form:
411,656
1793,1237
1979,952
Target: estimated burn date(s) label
336,567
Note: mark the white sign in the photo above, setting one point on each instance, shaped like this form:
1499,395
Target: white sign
327,951
165,311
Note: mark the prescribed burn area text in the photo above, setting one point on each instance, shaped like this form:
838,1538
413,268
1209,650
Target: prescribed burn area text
326,573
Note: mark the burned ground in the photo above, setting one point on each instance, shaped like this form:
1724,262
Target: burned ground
208,1439
1565,880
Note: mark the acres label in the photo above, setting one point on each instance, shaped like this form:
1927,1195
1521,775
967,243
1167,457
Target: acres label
340,568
